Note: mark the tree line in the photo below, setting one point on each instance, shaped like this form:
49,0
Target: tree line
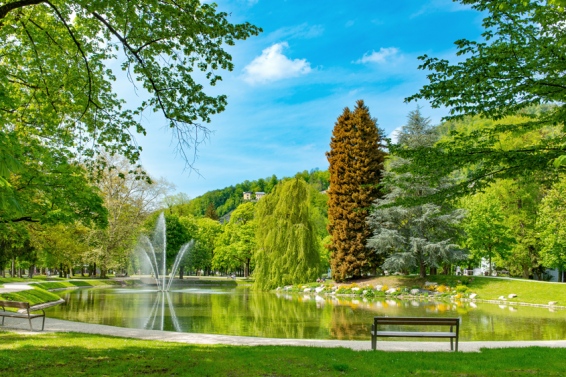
487,183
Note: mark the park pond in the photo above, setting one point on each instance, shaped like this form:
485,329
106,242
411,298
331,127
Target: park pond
242,311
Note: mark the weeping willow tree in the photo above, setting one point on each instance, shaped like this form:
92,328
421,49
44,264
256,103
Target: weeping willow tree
287,243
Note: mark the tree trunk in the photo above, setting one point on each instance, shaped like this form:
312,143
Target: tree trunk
60,270
94,269
13,268
31,268
247,268
181,272
490,264
422,270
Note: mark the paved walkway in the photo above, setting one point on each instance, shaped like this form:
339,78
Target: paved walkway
57,325
15,287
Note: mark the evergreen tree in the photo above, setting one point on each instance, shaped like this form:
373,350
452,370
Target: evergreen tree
356,163
211,212
420,236
287,243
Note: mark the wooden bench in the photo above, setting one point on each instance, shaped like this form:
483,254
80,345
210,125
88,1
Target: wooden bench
378,322
23,312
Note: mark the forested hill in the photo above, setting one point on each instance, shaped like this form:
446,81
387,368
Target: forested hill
228,198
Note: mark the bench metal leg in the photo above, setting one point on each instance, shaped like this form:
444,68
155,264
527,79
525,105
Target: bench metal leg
373,338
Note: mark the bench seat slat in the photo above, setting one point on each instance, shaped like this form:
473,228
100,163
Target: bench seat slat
19,315
416,334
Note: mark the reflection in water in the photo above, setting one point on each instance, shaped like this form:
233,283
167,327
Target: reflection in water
240,311
156,316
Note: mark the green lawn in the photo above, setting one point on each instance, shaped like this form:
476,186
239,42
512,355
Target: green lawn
486,288
70,354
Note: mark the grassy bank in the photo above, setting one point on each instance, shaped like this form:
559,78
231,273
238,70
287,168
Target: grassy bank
486,288
69,354
40,294
33,296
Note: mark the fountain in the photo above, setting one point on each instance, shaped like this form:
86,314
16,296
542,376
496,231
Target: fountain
157,244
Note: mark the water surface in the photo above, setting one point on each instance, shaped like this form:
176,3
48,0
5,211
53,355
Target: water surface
241,311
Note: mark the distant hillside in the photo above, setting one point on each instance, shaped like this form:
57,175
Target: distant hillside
228,198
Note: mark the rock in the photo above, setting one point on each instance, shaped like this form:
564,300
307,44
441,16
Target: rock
319,289
355,289
278,289
307,290
512,295
378,287
502,298
473,296
415,291
430,284
364,291
552,303
390,291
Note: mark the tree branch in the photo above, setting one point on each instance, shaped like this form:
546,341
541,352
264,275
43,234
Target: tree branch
7,8
20,219
134,52
89,73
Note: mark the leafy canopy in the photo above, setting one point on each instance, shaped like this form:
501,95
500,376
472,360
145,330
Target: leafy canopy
55,79
518,64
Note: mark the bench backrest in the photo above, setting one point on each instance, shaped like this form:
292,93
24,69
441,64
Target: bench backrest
15,304
416,321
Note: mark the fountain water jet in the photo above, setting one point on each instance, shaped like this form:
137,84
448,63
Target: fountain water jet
158,244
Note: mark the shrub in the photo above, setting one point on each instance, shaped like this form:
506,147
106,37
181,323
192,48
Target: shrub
461,289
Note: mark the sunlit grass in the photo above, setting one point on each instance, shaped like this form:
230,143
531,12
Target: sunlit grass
67,354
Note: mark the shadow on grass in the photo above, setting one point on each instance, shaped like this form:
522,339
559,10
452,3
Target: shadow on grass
76,354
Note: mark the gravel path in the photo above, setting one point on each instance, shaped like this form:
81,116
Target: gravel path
57,325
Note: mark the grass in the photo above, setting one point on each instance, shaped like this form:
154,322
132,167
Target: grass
75,284
486,288
66,354
40,294
33,296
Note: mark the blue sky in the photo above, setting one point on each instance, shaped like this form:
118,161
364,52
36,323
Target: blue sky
290,83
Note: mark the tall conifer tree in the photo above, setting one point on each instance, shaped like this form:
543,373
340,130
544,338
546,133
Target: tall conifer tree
356,163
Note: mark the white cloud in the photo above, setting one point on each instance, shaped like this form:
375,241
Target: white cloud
302,31
378,56
272,65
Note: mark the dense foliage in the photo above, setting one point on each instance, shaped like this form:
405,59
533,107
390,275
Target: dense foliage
287,243
518,64
229,198
65,93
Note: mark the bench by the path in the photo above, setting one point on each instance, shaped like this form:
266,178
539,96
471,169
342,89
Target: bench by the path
24,311
378,322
